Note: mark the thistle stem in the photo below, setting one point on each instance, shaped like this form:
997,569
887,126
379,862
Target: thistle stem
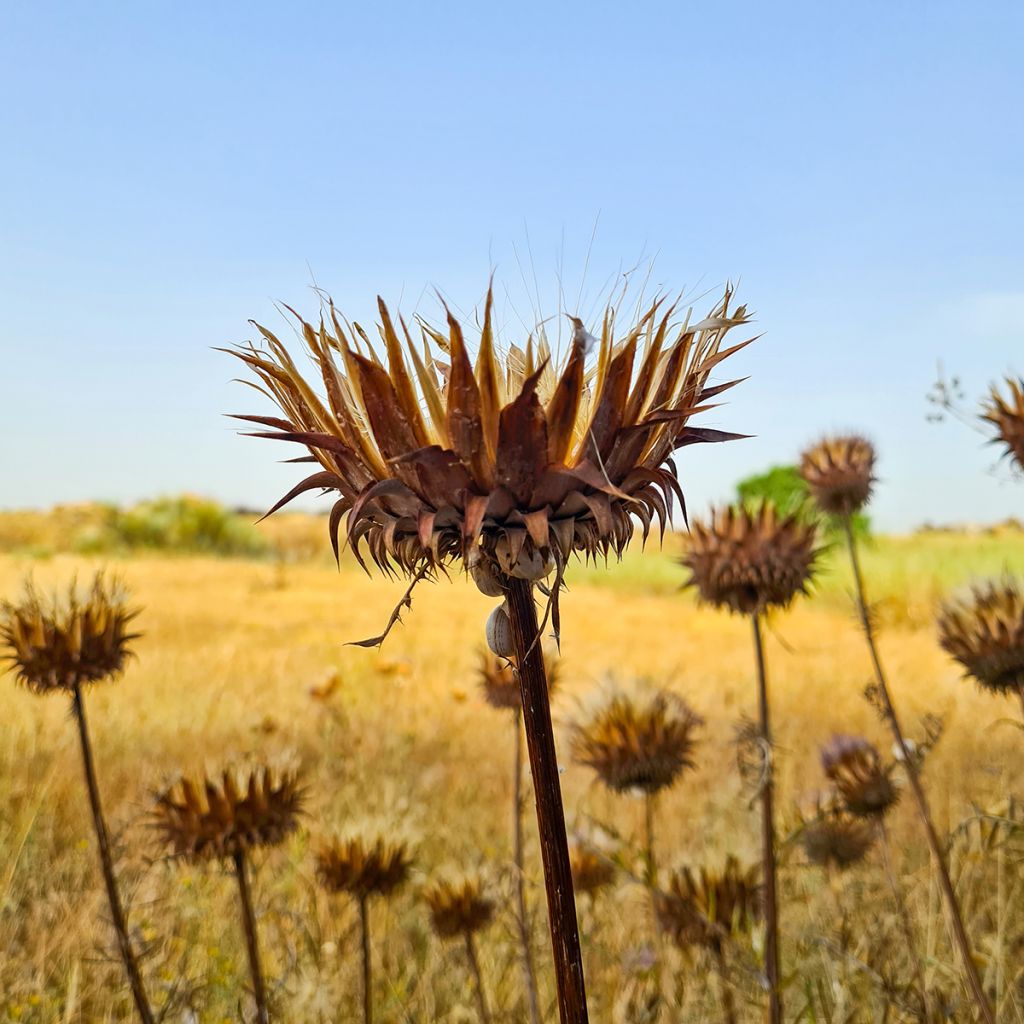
522,918
251,941
771,903
117,914
913,778
364,938
728,1001
540,741
478,977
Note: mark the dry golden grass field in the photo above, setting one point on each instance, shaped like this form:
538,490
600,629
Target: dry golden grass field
248,656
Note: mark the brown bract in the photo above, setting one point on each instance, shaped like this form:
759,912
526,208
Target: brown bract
79,637
839,473
708,906
434,457
833,837
220,817
750,560
499,681
458,906
1006,414
363,865
855,768
590,872
985,633
643,742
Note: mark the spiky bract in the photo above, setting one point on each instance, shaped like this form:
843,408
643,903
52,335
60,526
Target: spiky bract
1006,414
499,681
708,906
985,633
862,781
458,905
363,865
79,637
211,817
590,871
839,473
513,457
637,742
749,560
833,837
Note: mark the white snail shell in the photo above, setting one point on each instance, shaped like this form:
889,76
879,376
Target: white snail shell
484,577
499,632
529,565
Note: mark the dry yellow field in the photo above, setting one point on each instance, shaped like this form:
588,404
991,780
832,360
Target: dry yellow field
244,657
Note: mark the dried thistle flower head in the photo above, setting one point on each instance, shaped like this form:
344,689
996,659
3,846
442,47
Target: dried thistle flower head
750,560
855,768
640,742
435,459
590,872
1006,414
458,905
363,865
833,837
213,817
708,906
499,681
82,636
839,473
985,633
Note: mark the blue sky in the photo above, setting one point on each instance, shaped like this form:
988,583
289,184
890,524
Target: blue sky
171,170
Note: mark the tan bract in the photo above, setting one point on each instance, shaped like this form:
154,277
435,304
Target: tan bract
839,473
363,865
79,637
1006,414
855,768
458,906
433,457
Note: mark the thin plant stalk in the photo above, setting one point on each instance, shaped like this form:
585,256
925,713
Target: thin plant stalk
478,977
728,1000
540,741
364,939
117,914
771,902
938,855
518,852
259,989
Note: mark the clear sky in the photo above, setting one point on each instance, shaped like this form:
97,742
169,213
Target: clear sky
170,170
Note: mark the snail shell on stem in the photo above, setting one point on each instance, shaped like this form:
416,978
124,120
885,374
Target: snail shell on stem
484,576
499,632
529,564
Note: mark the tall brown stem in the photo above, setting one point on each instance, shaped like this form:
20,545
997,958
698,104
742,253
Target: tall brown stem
117,915
771,901
478,977
540,741
364,939
728,1001
938,854
522,917
251,941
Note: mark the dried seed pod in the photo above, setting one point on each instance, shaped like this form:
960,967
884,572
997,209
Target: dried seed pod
985,633
839,473
499,681
363,865
855,768
1007,416
499,632
590,872
832,837
749,561
458,906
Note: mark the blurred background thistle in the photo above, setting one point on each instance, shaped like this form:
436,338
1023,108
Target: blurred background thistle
1004,410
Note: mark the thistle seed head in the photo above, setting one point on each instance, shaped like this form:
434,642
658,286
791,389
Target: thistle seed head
833,837
839,473
518,459
590,872
82,636
640,742
855,768
211,817
985,633
1006,414
499,680
458,906
749,561
363,865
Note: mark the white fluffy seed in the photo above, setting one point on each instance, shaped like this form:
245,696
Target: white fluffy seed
499,632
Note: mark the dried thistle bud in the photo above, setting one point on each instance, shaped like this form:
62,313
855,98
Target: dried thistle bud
1007,416
458,906
499,681
839,473
209,818
707,907
985,633
855,768
79,637
363,865
749,561
590,872
643,742
833,837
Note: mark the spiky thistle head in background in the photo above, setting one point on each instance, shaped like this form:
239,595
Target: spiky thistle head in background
864,784
458,905
985,633
499,681
833,837
590,871
640,741
213,817
709,906
516,459
750,560
363,865
1006,414
839,472
77,637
